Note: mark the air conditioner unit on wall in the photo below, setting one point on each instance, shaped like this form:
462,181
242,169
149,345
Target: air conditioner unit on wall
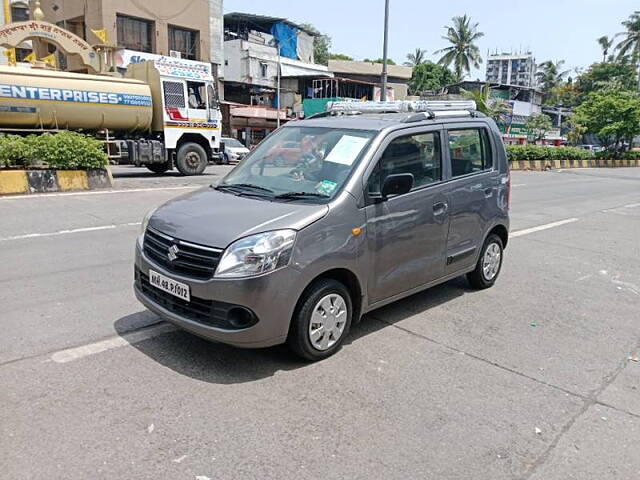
175,54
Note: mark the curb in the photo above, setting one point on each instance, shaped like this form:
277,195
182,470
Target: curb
589,163
47,181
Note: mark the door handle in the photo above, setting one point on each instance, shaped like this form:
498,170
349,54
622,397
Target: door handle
440,208
488,192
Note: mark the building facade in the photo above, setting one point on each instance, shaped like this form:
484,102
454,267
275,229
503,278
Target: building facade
268,64
517,70
179,28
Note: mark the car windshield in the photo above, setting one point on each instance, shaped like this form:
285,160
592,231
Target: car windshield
232,142
297,162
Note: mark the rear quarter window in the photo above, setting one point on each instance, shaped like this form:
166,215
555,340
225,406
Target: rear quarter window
470,151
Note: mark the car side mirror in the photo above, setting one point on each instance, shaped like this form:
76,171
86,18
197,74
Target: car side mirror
396,184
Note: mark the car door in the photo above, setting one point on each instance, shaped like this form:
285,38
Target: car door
474,182
406,234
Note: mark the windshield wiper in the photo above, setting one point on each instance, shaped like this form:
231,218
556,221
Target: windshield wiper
292,195
242,186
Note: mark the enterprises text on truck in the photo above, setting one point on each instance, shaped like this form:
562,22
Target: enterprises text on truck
164,113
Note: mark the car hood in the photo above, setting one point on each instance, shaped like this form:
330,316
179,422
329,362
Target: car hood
216,219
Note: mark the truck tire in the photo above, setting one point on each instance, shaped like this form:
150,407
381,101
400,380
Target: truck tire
159,167
191,159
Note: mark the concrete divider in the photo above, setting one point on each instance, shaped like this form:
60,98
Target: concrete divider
46,181
556,164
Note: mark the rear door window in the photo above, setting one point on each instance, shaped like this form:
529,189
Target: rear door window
469,151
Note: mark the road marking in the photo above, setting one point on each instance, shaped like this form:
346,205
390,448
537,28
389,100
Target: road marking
519,185
539,228
99,192
71,354
67,232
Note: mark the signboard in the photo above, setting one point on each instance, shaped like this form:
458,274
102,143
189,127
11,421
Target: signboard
167,66
13,34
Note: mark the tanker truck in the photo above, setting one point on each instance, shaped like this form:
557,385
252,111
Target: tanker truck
163,114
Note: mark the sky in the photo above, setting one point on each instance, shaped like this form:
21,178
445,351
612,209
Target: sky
551,29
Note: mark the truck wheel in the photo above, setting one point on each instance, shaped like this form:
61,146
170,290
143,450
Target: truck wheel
159,167
191,159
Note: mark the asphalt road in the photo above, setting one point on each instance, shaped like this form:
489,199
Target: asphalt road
536,378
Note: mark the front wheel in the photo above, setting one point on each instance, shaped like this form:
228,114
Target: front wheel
191,159
321,321
489,264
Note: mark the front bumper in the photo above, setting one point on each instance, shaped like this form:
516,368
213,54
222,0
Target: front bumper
271,298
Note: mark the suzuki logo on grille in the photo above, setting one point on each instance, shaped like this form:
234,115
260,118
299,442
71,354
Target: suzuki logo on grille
172,253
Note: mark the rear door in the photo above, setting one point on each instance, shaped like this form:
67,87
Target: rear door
406,234
474,182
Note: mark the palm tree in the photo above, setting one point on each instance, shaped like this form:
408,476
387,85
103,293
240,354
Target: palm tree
605,43
416,58
550,76
495,108
630,44
463,52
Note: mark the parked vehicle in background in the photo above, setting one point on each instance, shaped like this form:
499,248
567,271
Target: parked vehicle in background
373,208
234,151
163,114
592,148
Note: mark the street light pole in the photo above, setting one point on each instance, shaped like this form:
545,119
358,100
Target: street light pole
278,88
383,94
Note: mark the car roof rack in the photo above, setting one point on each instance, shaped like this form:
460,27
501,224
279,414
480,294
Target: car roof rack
424,109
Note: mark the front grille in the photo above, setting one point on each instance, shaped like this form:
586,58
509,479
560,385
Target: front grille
191,260
208,312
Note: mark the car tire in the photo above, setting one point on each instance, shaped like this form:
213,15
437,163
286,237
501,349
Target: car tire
159,167
317,331
489,263
191,159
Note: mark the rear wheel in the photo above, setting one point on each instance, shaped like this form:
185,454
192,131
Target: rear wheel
191,159
489,264
322,320
159,167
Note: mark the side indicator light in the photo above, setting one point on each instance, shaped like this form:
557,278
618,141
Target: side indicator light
356,231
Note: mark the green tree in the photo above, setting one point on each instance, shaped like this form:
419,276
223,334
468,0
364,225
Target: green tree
611,115
550,75
463,52
495,108
605,43
602,76
339,56
321,44
630,44
538,124
416,58
429,76
379,60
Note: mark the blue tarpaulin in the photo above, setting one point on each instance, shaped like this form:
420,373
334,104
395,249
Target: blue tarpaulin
287,38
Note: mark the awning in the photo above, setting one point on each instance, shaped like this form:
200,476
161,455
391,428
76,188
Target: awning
299,71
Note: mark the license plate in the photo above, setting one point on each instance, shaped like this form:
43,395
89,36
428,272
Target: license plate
177,289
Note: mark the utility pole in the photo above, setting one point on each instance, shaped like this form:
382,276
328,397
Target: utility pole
278,87
383,94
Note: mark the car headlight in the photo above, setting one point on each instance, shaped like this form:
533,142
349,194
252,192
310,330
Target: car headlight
145,220
257,254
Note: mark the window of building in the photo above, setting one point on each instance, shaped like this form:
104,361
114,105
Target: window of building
417,154
19,12
264,69
135,33
184,41
469,151
173,94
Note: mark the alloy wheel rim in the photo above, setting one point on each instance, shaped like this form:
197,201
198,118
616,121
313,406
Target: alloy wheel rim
491,261
328,320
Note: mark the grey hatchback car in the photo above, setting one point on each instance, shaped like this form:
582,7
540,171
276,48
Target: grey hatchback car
377,201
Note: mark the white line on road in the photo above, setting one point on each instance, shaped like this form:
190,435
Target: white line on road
518,185
539,228
98,192
76,353
67,232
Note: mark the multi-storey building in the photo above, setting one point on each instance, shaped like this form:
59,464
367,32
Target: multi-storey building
518,70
